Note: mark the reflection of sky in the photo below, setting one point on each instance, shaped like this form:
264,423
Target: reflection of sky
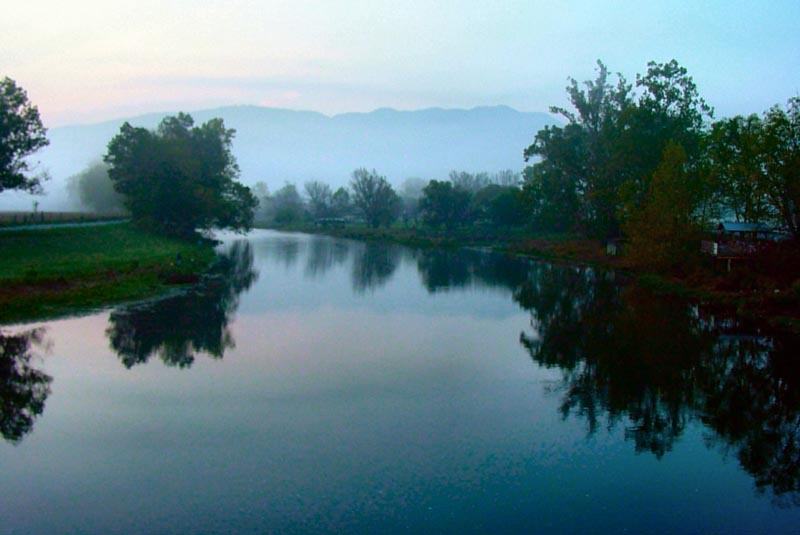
287,281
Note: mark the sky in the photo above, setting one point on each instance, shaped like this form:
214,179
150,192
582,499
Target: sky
86,61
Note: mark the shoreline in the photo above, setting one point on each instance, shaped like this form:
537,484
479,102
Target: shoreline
57,272
775,308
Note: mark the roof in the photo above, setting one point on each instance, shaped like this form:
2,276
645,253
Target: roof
735,226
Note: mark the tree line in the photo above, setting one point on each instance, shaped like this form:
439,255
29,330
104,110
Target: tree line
641,161
645,161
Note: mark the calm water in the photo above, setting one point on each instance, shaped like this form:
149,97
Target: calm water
324,386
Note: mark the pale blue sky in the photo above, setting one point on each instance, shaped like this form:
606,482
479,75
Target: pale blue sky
90,60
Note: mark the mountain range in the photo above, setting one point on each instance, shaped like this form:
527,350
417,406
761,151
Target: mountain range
278,145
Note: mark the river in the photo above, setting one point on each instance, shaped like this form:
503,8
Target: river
316,385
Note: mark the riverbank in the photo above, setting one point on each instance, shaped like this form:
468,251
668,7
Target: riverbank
751,292
56,271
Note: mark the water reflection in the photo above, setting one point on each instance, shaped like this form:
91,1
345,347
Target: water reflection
177,327
444,269
23,388
324,254
373,265
654,364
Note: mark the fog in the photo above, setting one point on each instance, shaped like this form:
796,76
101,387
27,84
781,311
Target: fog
277,146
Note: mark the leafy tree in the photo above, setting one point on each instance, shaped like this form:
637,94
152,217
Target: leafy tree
735,162
669,111
94,189
21,134
180,177
502,205
287,206
662,232
781,182
320,198
340,202
550,191
374,197
444,203
578,160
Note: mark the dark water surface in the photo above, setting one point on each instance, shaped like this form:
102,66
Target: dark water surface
324,386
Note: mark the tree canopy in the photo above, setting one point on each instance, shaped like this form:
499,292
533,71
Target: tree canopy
180,177
94,189
21,134
374,197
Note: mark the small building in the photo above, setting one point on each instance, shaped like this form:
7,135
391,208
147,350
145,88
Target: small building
747,231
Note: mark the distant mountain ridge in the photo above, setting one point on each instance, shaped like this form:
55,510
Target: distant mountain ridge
278,145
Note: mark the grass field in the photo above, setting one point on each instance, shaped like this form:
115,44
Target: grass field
50,272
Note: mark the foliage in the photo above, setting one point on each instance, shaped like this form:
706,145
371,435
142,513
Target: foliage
662,231
597,168
735,163
445,204
285,207
781,182
94,190
340,202
374,198
320,199
21,134
180,177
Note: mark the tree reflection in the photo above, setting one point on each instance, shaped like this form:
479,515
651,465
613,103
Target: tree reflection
323,254
23,389
374,263
655,364
177,327
444,269
752,402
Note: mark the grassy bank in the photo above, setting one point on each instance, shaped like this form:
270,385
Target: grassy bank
50,272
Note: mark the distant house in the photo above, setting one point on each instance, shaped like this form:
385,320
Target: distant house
737,241
752,231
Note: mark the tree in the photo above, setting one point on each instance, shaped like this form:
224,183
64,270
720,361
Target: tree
735,164
320,199
443,203
470,182
781,182
374,197
180,177
340,202
95,191
578,160
662,231
287,206
21,134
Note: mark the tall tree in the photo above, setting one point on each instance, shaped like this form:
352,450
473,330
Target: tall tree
581,154
95,191
180,177
374,197
735,163
21,134
444,203
320,198
781,182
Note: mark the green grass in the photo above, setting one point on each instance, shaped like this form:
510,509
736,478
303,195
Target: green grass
51,272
